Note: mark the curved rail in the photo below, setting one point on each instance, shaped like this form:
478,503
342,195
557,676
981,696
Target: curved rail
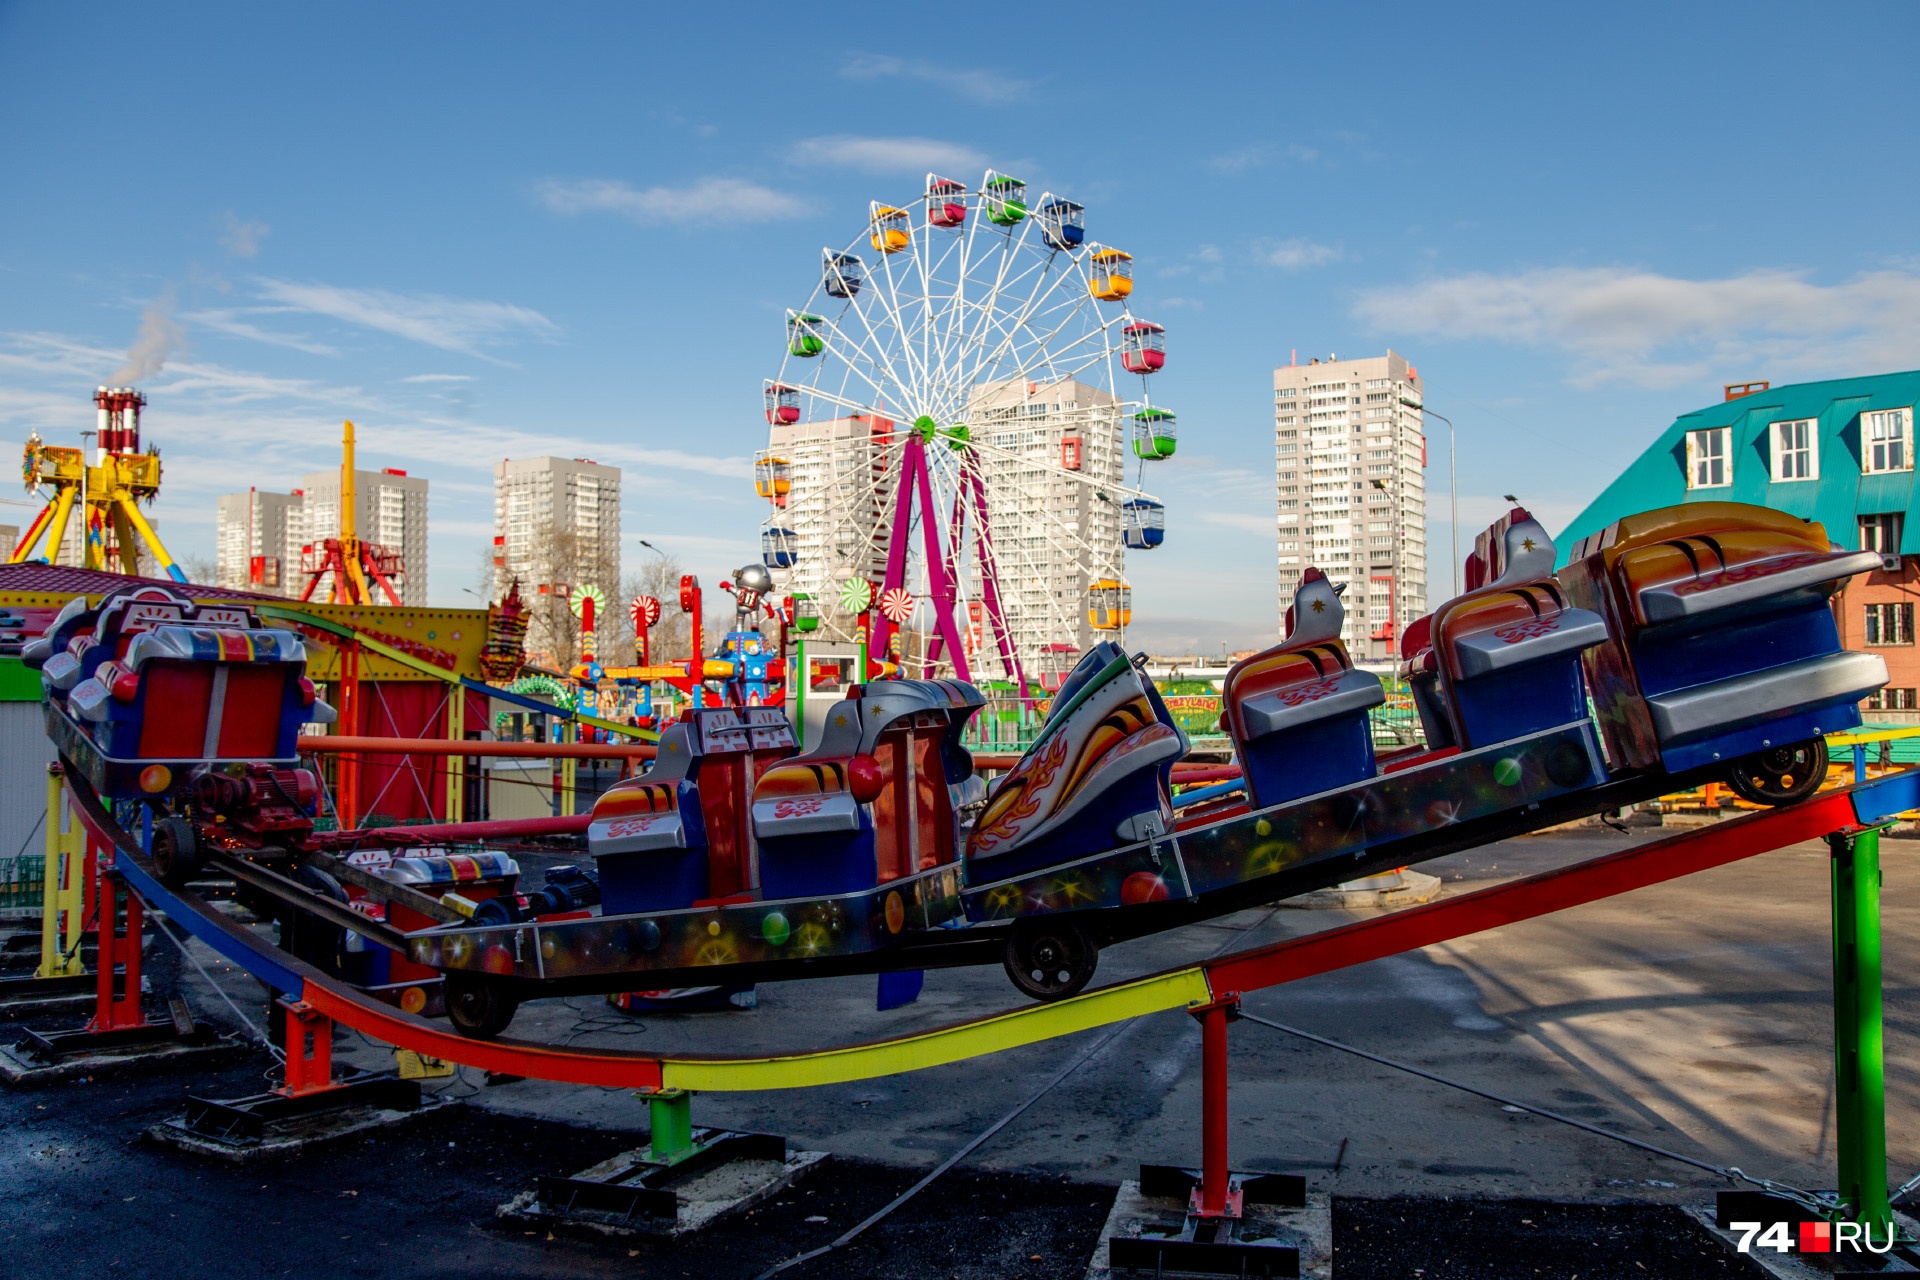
1731,840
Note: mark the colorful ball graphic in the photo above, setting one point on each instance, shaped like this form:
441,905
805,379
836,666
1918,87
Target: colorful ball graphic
775,929
155,777
1263,827
498,959
1143,886
647,935
896,913
1507,772
713,928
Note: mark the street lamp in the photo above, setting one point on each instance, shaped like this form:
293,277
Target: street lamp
1453,485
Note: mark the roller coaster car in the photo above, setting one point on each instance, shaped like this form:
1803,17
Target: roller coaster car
1503,660
1297,713
681,835
147,692
1725,645
1099,775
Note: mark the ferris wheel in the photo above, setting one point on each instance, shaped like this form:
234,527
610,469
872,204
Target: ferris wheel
951,432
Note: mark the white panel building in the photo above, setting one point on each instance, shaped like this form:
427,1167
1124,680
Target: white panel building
555,515
1350,488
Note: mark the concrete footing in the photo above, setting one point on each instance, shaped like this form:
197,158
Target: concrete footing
294,1130
1404,888
1310,1230
702,1197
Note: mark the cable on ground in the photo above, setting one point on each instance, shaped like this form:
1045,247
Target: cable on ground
272,1048
1808,1199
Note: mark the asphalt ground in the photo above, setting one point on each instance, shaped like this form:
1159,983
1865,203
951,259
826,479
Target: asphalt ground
1695,1015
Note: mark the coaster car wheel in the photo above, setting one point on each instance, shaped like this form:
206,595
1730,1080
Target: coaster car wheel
176,851
320,943
1781,775
479,1008
1050,959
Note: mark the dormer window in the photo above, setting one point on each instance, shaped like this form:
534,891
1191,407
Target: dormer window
1886,438
1796,450
1709,458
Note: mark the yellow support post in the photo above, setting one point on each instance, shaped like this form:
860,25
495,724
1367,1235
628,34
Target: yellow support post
65,888
131,510
457,765
57,532
569,768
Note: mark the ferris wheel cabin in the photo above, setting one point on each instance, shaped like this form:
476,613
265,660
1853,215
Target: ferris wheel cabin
772,477
1109,605
779,547
1143,524
1063,223
803,612
841,274
891,231
1154,435
805,334
1005,199
1143,347
783,404
946,201
1111,277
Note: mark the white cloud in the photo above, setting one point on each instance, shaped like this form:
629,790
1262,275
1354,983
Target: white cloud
980,84
889,155
242,238
451,324
438,377
229,322
708,200
1246,523
1259,155
1658,331
1297,255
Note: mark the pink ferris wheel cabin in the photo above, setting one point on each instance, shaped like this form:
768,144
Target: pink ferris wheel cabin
946,201
783,404
1143,347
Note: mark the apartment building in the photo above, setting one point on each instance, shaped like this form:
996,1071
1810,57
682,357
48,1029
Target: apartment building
556,520
261,538
1350,491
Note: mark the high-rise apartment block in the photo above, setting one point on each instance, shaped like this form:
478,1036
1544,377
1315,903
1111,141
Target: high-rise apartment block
1046,451
262,539
556,520
1350,482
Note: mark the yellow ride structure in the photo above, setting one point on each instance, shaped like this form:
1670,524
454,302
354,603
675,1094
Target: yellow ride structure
108,490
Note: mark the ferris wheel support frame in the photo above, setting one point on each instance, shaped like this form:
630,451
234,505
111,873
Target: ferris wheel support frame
915,481
973,491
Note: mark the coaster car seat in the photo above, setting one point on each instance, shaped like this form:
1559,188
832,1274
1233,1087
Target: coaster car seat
1099,776
875,800
1726,643
1297,713
1501,661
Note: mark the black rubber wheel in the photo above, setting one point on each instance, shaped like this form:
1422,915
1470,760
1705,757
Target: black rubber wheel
1781,775
479,1008
1050,959
176,850
321,943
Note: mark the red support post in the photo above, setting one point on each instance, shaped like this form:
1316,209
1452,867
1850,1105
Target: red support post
1214,1197
309,1050
117,1005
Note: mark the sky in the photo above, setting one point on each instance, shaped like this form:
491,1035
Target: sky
484,231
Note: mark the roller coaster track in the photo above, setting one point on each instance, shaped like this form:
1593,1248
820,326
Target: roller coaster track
1842,810
299,617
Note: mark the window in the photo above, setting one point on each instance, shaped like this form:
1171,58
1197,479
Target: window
1893,700
1708,463
1888,438
1794,456
1882,533
1890,623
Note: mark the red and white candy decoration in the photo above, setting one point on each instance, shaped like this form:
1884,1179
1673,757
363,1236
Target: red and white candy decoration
897,604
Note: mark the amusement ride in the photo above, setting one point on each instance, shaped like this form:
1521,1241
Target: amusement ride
949,431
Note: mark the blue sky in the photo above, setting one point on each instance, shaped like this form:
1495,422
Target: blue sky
484,230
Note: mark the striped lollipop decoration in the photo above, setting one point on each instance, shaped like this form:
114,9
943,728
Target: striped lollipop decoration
856,595
645,612
897,604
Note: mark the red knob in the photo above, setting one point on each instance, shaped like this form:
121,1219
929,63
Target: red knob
865,779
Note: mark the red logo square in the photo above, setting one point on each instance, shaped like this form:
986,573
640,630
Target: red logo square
1816,1237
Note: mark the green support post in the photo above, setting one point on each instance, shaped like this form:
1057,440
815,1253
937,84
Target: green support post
1858,1048
800,689
670,1121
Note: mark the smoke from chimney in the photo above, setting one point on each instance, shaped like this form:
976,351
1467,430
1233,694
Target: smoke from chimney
160,337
